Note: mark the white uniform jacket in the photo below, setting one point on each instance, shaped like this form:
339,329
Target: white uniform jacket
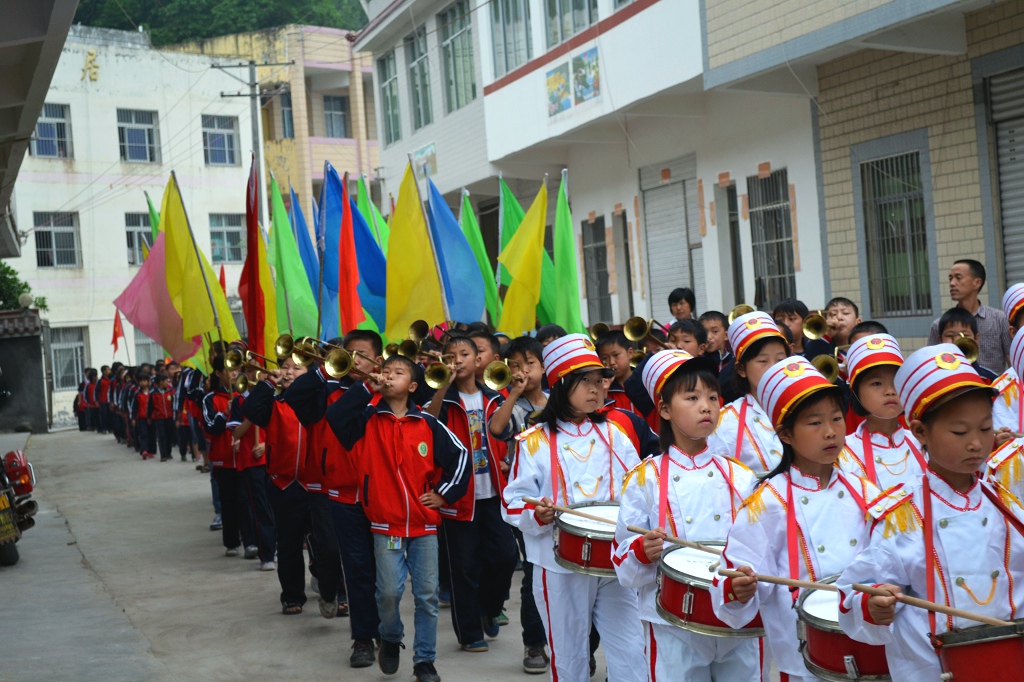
831,529
591,462
1006,408
760,449
977,553
892,461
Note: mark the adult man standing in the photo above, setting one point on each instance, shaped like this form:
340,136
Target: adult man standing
966,278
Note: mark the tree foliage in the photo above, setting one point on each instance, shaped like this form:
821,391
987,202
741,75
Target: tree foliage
178,21
12,286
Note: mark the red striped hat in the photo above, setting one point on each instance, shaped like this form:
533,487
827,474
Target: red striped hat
660,367
569,353
872,351
1013,301
746,329
1017,353
932,374
785,384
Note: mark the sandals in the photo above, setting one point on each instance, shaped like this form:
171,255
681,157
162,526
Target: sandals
291,609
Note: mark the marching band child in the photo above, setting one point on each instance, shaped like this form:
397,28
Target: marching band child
615,351
692,493
880,450
140,418
161,414
217,413
744,430
1008,408
257,520
805,521
574,455
951,538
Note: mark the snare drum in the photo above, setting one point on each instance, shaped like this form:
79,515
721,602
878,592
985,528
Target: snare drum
684,599
585,546
987,653
827,651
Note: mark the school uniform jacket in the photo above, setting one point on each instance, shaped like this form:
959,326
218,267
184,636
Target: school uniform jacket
618,396
326,469
285,436
585,462
637,393
160,406
831,529
103,394
703,494
400,459
1006,467
216,416
140,405
893,460
639,432
245,458
979,567
1006,410
759,448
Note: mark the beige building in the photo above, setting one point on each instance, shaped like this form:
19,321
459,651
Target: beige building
318,108
917,108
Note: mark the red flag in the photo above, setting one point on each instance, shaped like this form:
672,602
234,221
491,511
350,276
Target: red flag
249,285
223,281
118,329
349,305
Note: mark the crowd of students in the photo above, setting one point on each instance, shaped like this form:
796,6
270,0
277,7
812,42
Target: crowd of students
899,473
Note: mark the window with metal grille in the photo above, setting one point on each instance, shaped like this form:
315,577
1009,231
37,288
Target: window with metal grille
138,136
457,52
510,33
287,122
67,356
771,235
419,78
899,281
336,115
138,232
566,18
227,237
53,133
387,74
146,349
57,240
595,265
220,140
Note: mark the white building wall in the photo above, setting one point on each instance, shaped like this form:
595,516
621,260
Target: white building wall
101,189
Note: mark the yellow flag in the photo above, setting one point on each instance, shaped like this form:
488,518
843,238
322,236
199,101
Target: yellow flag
145,249
185,272
413,288
522,257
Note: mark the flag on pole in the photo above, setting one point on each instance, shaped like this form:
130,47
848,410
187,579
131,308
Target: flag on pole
459,270
118,330
511,216
145,248
350,309
293,286
523,259
328,236
256,285
223,279
378,226
154,217
307,250
566,280
414,290
373,276
471,230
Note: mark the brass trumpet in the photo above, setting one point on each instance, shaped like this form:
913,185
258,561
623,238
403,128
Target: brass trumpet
815,326
438,374
407,348
969,347
739,311
598,329
497,375
828,366
419,330
638,357
241,384
302,352
234,359
638,330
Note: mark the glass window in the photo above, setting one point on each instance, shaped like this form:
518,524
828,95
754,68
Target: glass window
899,281
566,18
336,115
56,240
387,74
146,349
771,234
227,237
419,78
595,266
138,232
457,52
138,136
220,140
67,357
510,31
53,133
287,123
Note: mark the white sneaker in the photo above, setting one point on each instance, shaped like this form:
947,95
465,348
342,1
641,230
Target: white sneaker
231,551
268,566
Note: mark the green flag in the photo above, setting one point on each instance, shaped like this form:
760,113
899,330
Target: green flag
295,298
378,226
154,218
511,215
566,275
471,229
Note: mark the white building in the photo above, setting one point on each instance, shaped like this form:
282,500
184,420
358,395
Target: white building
670,185
119,117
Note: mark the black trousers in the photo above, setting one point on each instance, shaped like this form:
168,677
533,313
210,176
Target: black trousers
184,440
355,541
104,417
144,436
291,520
257,508
327,556
228,490
482,556
164,431
529,616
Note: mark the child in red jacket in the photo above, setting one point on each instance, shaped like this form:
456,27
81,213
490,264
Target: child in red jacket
140,419
411,466
161,415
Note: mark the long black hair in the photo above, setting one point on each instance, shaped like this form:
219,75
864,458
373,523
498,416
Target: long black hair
559,408
788,454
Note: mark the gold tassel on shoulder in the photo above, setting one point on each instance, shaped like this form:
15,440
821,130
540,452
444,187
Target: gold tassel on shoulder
900,519
755,504
1012,472
534,440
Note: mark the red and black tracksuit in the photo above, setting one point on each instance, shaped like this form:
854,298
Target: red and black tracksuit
145,437
216,417
257,521
103,398
161,421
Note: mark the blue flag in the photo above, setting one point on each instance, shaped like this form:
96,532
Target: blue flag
329,211
373,275
460,273
307,251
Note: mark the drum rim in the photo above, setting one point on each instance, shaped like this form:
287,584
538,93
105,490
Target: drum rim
591,571
811,619
709,630
677,575
832,675
586,532
966,636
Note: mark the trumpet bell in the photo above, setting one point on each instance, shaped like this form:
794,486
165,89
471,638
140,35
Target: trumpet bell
283,346
969,347
636,329
419,330
233,360
437,375
815,326
338,363
241,384
739,311
637,358
497,375
390,349
598,329
828,366
409,349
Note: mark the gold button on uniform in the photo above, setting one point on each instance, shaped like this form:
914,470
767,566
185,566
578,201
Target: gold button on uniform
943,523
803,499
821,548
689,519
676,478
853,543
841,494
960,581
711,474
718,517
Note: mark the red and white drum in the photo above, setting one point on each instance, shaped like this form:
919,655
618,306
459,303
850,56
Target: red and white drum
684,599
827,651
583,545
987,653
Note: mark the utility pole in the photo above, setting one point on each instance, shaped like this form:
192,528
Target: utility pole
254,114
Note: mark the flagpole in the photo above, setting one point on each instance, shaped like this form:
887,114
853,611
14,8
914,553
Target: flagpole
430,237
199,259
501,227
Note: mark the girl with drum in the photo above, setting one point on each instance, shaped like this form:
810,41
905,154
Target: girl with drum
693,493
745,431
880,450
951,537
575,457
805,520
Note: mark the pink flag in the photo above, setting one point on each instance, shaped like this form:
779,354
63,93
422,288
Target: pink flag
147,305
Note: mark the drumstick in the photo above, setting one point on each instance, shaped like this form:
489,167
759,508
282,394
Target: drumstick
776,580
632,529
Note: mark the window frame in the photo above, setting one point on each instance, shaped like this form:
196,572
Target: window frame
506,49
287,118
387,75
78,350
212,129
44,227
872,150
417,63
595,250
459,78
555,28
152,131
60,137
331,116
219,225
772,209
134,233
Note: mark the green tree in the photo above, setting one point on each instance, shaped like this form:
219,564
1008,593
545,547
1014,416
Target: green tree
12,287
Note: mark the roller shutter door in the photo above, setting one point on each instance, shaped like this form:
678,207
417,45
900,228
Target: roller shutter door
1007,106
669,208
